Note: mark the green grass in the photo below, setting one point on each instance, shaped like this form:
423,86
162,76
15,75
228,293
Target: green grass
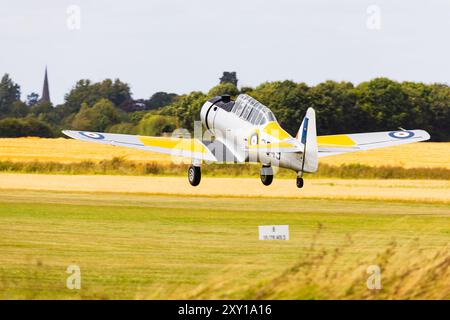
136,246
119,166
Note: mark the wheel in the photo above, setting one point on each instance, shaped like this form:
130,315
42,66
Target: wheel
266,175
194,175
299,182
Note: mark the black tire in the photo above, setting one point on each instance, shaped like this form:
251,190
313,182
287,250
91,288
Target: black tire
299,182
266,175
194,175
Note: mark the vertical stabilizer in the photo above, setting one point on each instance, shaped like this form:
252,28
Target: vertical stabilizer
307,135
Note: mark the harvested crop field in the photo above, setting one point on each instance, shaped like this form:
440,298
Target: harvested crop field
398,190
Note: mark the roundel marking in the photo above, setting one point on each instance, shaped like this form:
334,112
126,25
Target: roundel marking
401,134
92,135
254,139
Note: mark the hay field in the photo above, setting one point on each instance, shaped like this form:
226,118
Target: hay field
385,190
429,155
69,150
139,246
414,155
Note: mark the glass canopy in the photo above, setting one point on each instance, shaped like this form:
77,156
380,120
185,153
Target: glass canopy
252,111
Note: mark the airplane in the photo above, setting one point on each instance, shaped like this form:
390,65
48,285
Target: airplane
245,130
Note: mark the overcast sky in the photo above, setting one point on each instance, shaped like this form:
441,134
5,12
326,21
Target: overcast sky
184,45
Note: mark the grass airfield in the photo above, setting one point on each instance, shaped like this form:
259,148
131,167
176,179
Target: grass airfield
137,246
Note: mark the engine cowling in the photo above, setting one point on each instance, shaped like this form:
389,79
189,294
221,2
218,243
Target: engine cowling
211,108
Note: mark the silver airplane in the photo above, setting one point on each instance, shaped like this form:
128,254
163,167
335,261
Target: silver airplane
247,131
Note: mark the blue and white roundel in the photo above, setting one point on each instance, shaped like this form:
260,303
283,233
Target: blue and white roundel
92,135
401,134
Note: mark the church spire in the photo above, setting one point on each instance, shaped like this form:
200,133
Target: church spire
45,97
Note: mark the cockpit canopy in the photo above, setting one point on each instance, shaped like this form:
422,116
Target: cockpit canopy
252,111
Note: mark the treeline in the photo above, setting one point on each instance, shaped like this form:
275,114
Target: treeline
379,104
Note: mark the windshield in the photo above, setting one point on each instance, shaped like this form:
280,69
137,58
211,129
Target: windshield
252,111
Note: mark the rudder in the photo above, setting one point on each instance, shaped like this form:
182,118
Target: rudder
307,134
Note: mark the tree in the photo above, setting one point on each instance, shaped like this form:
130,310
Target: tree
83,119
42,107
223,89
186,109
287,99
159,100
85,92
156,125
335,105
123,127
35,128
439,104
32,99
117,92
246,90
9,92
102,115
384,102
19,109
12,128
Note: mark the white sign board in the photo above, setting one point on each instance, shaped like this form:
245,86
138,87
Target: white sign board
274,232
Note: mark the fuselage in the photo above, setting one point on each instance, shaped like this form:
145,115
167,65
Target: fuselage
246,124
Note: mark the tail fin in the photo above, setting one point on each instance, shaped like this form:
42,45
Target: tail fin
308,137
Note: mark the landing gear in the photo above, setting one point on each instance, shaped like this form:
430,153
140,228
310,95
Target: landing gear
266,175
194,175
299,182
300,179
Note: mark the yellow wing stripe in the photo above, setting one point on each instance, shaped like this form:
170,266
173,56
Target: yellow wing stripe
273,129
336,140
191,145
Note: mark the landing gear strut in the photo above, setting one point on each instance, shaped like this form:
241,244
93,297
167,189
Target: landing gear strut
194,175
266,175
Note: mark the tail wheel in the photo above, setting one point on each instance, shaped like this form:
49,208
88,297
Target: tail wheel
194,175
299,182
266,175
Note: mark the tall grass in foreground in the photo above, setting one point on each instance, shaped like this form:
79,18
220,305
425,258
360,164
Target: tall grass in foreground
406,273
119,166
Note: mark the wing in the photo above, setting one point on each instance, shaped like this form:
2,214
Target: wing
283,146
343,143
191,148
224,153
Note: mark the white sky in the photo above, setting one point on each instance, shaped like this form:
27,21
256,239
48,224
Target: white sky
180,46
